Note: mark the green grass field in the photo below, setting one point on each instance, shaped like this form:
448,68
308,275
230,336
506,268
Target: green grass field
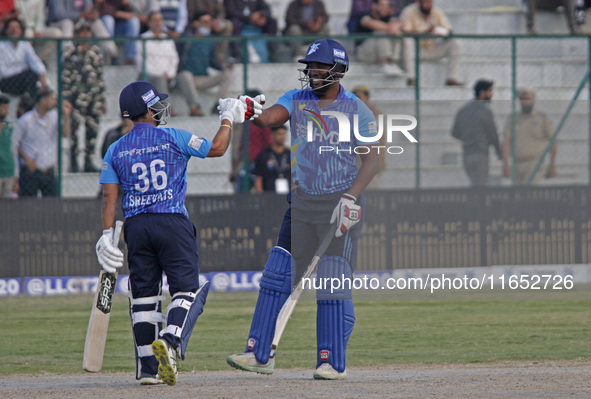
46,335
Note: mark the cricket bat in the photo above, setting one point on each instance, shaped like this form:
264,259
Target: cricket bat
290,304
96,335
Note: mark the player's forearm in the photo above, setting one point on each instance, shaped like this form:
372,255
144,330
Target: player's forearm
367,171
109,204
221,141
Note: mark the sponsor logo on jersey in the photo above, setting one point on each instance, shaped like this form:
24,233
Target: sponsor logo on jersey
195,142
324,355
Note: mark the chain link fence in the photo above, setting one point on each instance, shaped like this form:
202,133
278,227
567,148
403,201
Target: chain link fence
554,68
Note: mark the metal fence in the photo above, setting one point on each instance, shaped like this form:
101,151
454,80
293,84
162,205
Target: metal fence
555,67
402,229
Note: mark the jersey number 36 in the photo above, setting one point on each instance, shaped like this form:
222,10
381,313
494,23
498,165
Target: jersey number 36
158,175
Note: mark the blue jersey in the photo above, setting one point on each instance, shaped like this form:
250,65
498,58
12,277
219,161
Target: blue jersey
150,165
326,164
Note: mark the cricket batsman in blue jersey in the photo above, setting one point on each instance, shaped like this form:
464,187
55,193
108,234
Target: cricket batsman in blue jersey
327,188
150,165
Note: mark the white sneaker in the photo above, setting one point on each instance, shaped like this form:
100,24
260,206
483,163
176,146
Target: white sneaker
166,357
392,70
326,372
248,362
150,379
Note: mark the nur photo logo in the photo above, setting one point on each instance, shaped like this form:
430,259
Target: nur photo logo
385,124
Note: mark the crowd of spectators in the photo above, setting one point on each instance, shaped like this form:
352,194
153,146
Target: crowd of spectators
196,65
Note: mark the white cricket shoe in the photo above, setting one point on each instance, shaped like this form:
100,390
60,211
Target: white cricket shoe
248,362
166,357
150,379
326,372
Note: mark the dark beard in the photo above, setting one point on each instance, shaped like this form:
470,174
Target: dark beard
424,11
527,109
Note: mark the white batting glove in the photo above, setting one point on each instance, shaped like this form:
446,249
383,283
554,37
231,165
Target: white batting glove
254,106
232,109
346,214
109,256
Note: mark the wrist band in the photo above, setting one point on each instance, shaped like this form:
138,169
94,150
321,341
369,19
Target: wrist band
225,125
349,197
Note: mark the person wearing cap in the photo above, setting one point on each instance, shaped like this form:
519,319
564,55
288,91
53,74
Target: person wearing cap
475,127
36,136
84,88
326,201
533,131
8,162
150,165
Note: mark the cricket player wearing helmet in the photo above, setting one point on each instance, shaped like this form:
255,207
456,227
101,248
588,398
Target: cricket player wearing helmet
150,165
327,188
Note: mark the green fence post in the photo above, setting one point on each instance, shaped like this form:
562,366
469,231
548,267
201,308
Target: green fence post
513,105
417,111
245,163
59,119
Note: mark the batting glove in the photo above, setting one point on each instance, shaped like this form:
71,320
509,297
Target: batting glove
109,256
254,106
232,109
346,214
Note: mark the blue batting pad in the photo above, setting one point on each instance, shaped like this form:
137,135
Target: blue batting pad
275,287
334,323
334,278
192,315
335,317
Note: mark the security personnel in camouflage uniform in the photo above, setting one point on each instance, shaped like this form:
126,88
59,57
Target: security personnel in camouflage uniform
84,88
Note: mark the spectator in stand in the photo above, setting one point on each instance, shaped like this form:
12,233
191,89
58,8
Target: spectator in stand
8,162
7,11
424,18
84,88
32,14
142,9
196,57
551,5
272,166
360,8
161,58
305,17
20,67
220,25
119,19
36,136
258,139
25,104
176,17
474,126
533,131
64,14
250,18
382,51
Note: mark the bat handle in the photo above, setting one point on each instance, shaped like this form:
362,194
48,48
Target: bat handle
117,232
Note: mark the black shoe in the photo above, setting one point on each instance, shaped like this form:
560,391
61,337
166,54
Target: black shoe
89,167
